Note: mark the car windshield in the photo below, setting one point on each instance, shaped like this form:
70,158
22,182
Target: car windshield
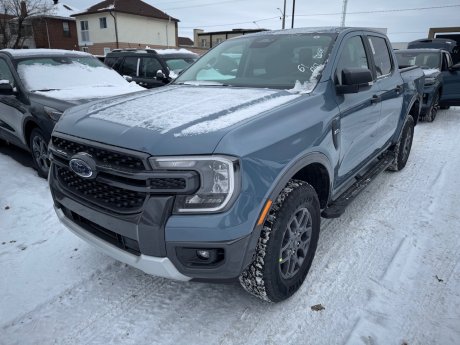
63,72
426,60
279,61
178,64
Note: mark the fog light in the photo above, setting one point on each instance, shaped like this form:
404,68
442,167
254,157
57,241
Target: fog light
203,254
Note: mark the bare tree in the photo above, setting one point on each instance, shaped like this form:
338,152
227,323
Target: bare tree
14,30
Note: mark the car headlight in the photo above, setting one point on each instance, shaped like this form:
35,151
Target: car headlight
219,180
430,81
54,114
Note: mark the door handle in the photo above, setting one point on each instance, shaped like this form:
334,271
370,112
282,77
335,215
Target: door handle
399,89
375,99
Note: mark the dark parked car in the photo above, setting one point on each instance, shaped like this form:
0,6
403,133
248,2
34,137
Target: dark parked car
37,85
442,78
438,43
150,67
232,183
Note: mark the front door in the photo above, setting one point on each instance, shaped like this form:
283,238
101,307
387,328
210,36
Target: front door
149,66
451,82
359,112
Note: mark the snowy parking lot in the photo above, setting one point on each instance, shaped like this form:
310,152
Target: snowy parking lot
386,272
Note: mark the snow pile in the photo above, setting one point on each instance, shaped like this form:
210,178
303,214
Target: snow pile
73,76
174,51
309,85
173,107
240,115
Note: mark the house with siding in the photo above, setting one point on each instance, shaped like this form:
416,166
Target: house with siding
112,24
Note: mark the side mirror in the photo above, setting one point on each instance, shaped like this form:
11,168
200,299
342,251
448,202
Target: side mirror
455,67
160,74
128,78
354,79
6,88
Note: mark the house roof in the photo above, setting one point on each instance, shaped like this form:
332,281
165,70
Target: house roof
5,16
62,11
185,41
136,7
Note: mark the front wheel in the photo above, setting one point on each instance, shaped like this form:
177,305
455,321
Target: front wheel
39,147
286,246
432,112
404,145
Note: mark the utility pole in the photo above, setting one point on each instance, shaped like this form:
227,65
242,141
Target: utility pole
284,15
293,12
344,13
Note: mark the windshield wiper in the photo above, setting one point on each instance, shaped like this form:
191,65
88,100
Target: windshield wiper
202,83
45,90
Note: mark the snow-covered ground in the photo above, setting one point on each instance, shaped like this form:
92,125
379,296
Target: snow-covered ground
387,272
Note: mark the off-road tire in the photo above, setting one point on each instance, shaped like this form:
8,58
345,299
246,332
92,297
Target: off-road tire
432,112
264,278
39,148
404,145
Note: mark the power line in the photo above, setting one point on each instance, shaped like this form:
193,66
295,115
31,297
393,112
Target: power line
378,11
202,5
211,26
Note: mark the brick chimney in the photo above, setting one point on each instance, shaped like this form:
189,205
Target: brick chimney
23,9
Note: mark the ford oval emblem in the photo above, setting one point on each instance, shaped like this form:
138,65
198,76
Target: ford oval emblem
83,165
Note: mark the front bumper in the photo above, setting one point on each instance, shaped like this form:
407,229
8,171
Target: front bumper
161,267
153,240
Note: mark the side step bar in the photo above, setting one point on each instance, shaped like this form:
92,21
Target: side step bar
337,207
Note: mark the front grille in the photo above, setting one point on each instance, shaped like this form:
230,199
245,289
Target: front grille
104,195
167,183
104,157
122,242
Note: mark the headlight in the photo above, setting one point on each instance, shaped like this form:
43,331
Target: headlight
430,81
219,178
54,114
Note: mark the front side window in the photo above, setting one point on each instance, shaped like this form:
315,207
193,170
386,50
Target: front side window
278,61
149,68
353,56
381,55
103,23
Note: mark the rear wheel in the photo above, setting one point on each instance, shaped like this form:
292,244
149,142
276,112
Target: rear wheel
39,147
404,145
286,246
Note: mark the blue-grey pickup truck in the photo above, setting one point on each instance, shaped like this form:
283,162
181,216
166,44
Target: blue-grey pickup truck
226,173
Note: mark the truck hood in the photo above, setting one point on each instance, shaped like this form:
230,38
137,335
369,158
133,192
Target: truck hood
173,120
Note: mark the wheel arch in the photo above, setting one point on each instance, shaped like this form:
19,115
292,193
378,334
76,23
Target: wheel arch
313,168
29,126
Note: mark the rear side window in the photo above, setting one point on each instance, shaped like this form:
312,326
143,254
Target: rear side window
130,66
381,55
149,68
353,56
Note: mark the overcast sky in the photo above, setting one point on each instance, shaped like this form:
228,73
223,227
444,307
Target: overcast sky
405,20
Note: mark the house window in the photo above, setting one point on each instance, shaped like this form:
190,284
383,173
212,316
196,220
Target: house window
85,49
219,41
84,31
66,28
103,23
203,43
106,51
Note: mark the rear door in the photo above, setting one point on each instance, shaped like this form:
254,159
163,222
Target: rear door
451,82
12,111
149,66
130,67
390,85
359,113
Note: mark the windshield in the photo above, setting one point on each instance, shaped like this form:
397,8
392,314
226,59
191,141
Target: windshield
62,72
277,61
178,64
426,60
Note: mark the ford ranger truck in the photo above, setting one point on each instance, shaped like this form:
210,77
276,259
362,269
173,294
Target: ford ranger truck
226,173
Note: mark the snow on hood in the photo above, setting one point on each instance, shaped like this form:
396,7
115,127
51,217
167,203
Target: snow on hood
91,92
187,110
430,71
